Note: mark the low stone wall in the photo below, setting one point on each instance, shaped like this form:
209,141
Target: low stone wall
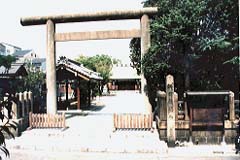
200,137
22,104
182,129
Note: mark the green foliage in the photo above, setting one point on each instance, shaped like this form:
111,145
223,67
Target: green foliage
174,36
6,125
6,61
34,79
135,57
234,60
99,63
185,34
220,27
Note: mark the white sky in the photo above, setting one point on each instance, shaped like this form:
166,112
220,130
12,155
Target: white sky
34,37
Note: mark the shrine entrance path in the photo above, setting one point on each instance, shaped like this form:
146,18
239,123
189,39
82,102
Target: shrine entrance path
91,130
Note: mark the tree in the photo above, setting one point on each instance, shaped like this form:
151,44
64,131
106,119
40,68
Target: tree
173,42
6,103
183,34
219,46
34,82
34,79
6,126
6,61
99,63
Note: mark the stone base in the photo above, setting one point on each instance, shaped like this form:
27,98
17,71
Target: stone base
200,136
182,134
207,137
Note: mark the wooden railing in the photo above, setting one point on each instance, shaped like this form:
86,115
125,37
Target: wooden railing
133,121
47,120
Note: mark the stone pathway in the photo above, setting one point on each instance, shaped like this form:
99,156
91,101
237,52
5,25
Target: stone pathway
90,136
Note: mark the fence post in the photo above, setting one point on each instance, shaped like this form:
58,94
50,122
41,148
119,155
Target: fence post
30,119
26,107
185,107
30,96
22,102
231,106
64,120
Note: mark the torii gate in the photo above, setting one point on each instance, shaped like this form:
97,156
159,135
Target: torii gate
52,38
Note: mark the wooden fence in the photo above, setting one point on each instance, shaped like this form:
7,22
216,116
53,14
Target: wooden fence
47,120
133,121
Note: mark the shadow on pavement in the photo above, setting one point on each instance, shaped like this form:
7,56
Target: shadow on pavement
85,111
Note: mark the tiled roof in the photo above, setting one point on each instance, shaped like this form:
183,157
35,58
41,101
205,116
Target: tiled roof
76,67
12,71
124,73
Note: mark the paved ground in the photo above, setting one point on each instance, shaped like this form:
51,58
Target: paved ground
90,136
44,155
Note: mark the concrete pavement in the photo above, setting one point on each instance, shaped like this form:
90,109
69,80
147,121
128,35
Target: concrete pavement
90,136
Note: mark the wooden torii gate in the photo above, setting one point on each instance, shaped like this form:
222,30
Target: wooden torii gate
53,37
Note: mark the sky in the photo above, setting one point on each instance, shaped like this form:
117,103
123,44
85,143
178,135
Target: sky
34,37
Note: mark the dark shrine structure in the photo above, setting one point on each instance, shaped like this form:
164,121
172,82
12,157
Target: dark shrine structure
75,84
11,77
203,117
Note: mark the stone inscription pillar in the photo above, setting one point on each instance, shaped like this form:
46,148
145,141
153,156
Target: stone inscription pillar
51,69
171,135
145,45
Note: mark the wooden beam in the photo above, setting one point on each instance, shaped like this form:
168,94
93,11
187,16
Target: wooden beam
78,74
95,16
97,35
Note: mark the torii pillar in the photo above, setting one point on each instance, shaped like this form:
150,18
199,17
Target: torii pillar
145,45
51,69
